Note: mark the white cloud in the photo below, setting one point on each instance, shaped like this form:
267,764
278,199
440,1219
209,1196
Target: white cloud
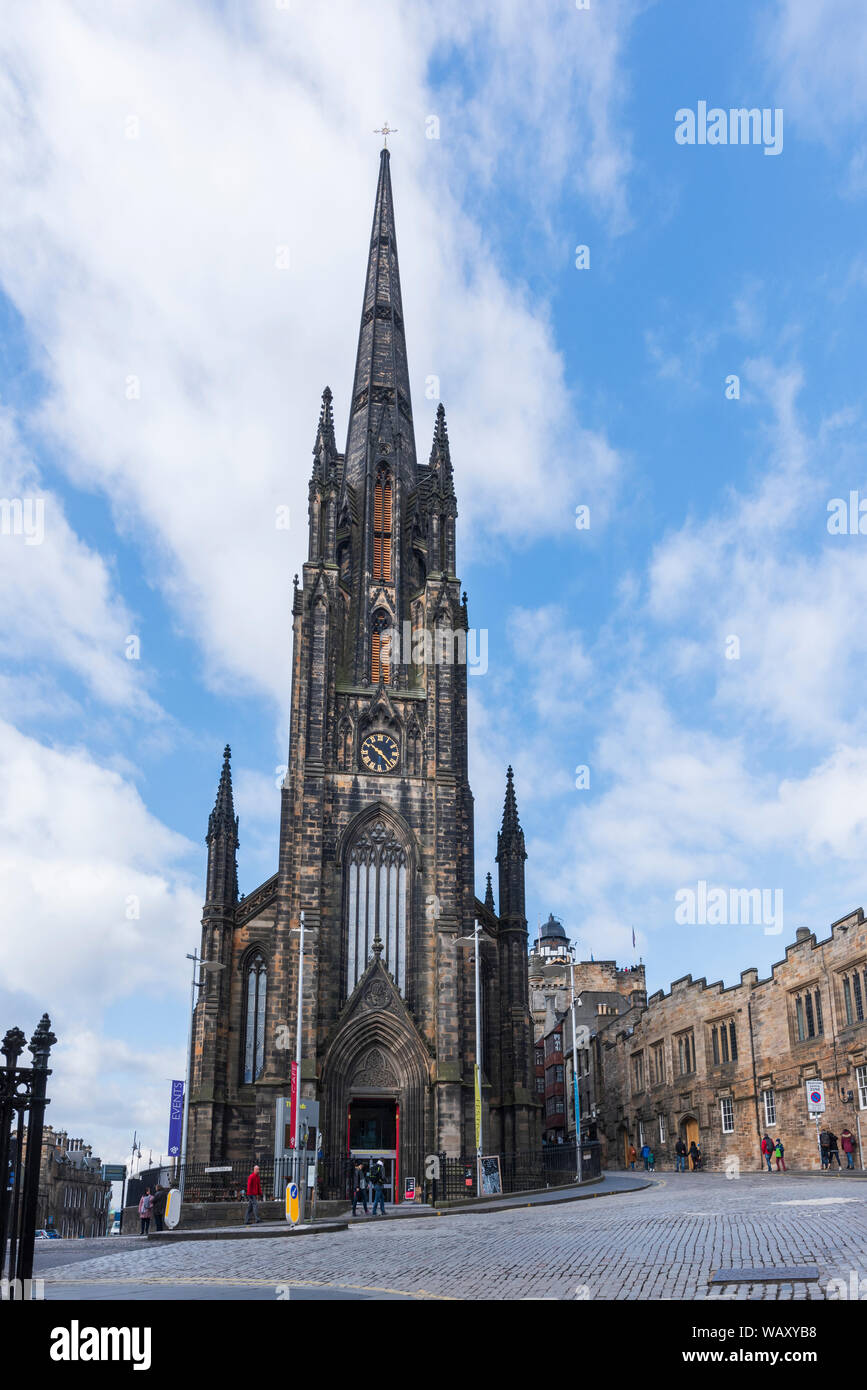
161,159
61,608
80,856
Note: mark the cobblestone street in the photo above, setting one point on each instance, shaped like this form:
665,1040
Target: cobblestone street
663,1242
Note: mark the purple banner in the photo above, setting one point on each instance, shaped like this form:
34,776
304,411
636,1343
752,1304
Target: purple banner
176,1118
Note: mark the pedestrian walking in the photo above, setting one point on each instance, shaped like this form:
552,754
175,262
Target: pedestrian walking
158,1206
833,1150
632,1155
644,1152
650,1160
695,1156
825,1147
144,1210
359,1187
377,1180
767,1150
254,1196
779,1150
847,1140
680,1156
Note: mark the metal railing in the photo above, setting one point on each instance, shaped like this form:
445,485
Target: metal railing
22,1116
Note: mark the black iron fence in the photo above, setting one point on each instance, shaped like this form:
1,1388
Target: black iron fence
22,1116
457,1179
439,1177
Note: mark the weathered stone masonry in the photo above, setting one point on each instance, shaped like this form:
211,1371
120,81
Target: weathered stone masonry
376,841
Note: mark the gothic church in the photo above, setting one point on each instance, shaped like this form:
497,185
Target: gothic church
376,837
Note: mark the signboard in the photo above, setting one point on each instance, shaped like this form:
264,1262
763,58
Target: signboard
409,1189
114,1172
293,1101
491,1180
468,1175
293,1203
478,1114
226,1168
176,1118
815,1097
173,1208
311,1174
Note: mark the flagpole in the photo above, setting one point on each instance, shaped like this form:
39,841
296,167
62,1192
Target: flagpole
575,1067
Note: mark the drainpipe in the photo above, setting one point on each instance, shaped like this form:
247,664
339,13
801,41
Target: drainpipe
755,1078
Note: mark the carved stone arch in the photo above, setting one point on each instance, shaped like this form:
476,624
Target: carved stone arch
403,1072
379,861
345,742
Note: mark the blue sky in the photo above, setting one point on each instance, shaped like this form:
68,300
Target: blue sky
159,390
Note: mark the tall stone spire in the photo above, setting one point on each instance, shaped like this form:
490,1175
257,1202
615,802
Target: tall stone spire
325,447
222,841
381,407
440,454
510,858
489,895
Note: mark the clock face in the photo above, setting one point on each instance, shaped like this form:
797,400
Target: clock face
379,753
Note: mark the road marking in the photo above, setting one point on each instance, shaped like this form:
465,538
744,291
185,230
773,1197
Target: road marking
241,1281
814,1202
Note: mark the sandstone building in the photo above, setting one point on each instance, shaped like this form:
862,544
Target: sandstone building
725,1065
73,1198
376,839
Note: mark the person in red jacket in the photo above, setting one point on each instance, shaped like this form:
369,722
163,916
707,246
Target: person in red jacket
254,1192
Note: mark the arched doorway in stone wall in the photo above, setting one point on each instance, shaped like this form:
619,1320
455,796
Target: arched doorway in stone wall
689,1131
376,1085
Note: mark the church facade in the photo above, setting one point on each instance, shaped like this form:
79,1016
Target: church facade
376,838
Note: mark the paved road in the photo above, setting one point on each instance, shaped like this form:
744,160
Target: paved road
662,1242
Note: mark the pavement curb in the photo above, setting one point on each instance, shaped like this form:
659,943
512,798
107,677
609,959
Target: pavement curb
246,1232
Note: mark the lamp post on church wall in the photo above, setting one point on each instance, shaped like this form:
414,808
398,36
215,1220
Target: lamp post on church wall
478,1066
575,1066
211,966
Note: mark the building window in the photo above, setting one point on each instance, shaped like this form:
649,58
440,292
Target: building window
382,525
770,1101
540,1085
641,1139
861,1083
254,1023
558,1073
379,663
638,1072
853,997
662,1129
727,1109
686,1053
724,1042
808,1015
540,1057
657,1064
558,1105
557,1043
376,869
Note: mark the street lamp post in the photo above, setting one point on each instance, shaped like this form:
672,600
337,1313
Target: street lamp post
478,1067
212,966
297,1133
575,1068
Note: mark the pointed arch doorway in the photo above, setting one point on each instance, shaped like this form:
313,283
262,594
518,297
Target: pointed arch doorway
373,1119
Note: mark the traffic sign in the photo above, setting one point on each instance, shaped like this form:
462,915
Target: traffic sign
815,1097
293,1203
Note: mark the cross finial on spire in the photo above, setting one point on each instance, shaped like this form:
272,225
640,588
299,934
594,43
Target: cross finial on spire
385,131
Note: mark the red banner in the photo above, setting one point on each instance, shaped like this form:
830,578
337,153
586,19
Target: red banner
293,1104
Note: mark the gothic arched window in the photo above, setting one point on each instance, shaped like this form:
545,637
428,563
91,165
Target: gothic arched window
255,981
382,525
376,873
379,658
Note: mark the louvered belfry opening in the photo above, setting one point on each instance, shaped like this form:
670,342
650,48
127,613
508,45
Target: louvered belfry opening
379,654
382,525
